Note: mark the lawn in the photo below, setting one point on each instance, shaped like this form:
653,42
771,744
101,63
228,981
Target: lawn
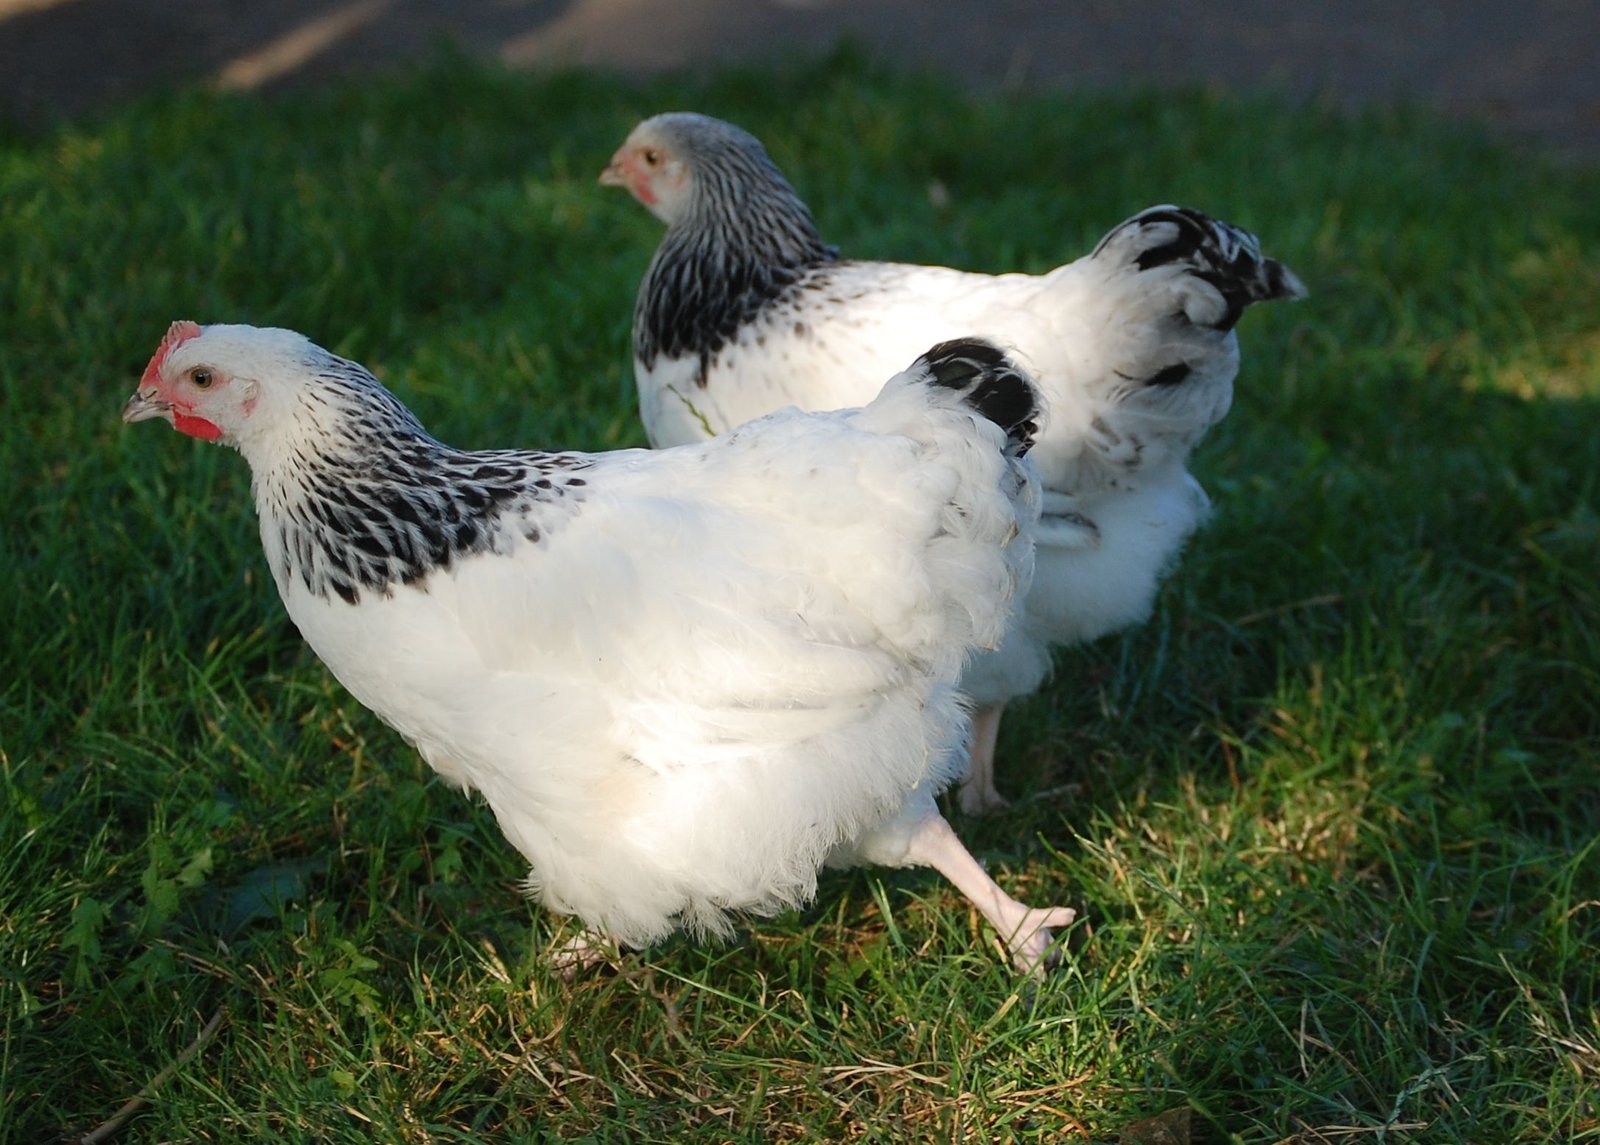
1330,819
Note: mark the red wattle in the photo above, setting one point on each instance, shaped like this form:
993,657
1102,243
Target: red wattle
195,426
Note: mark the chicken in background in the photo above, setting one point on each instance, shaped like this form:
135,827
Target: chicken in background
684,680
745,309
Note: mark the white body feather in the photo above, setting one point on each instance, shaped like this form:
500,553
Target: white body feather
708,680
1086,331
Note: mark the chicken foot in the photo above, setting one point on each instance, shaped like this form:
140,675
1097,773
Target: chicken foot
1024,929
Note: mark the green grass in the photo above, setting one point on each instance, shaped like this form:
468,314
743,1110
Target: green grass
1331,818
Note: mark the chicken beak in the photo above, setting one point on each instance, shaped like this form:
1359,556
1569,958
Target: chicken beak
612,176
143,406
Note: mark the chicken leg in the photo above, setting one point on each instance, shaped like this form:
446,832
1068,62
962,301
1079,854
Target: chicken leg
1024,930
978,795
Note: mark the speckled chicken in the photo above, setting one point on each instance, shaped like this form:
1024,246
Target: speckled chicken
745,309
684,680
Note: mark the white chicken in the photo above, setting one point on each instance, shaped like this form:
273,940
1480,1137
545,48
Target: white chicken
684,680
745,309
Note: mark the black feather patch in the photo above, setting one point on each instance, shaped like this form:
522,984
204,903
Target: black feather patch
1170,375
957,362
746,242
1227,257
380,502
990,383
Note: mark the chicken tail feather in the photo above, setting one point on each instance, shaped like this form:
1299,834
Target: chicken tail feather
1227,257
989,383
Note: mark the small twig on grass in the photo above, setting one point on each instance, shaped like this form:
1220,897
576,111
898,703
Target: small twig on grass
105,1130
1291,606
1064,789
873,1066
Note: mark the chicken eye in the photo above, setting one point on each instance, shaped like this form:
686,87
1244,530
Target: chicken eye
201,377
652,156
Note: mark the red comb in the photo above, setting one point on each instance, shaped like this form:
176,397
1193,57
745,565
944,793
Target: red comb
177,334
